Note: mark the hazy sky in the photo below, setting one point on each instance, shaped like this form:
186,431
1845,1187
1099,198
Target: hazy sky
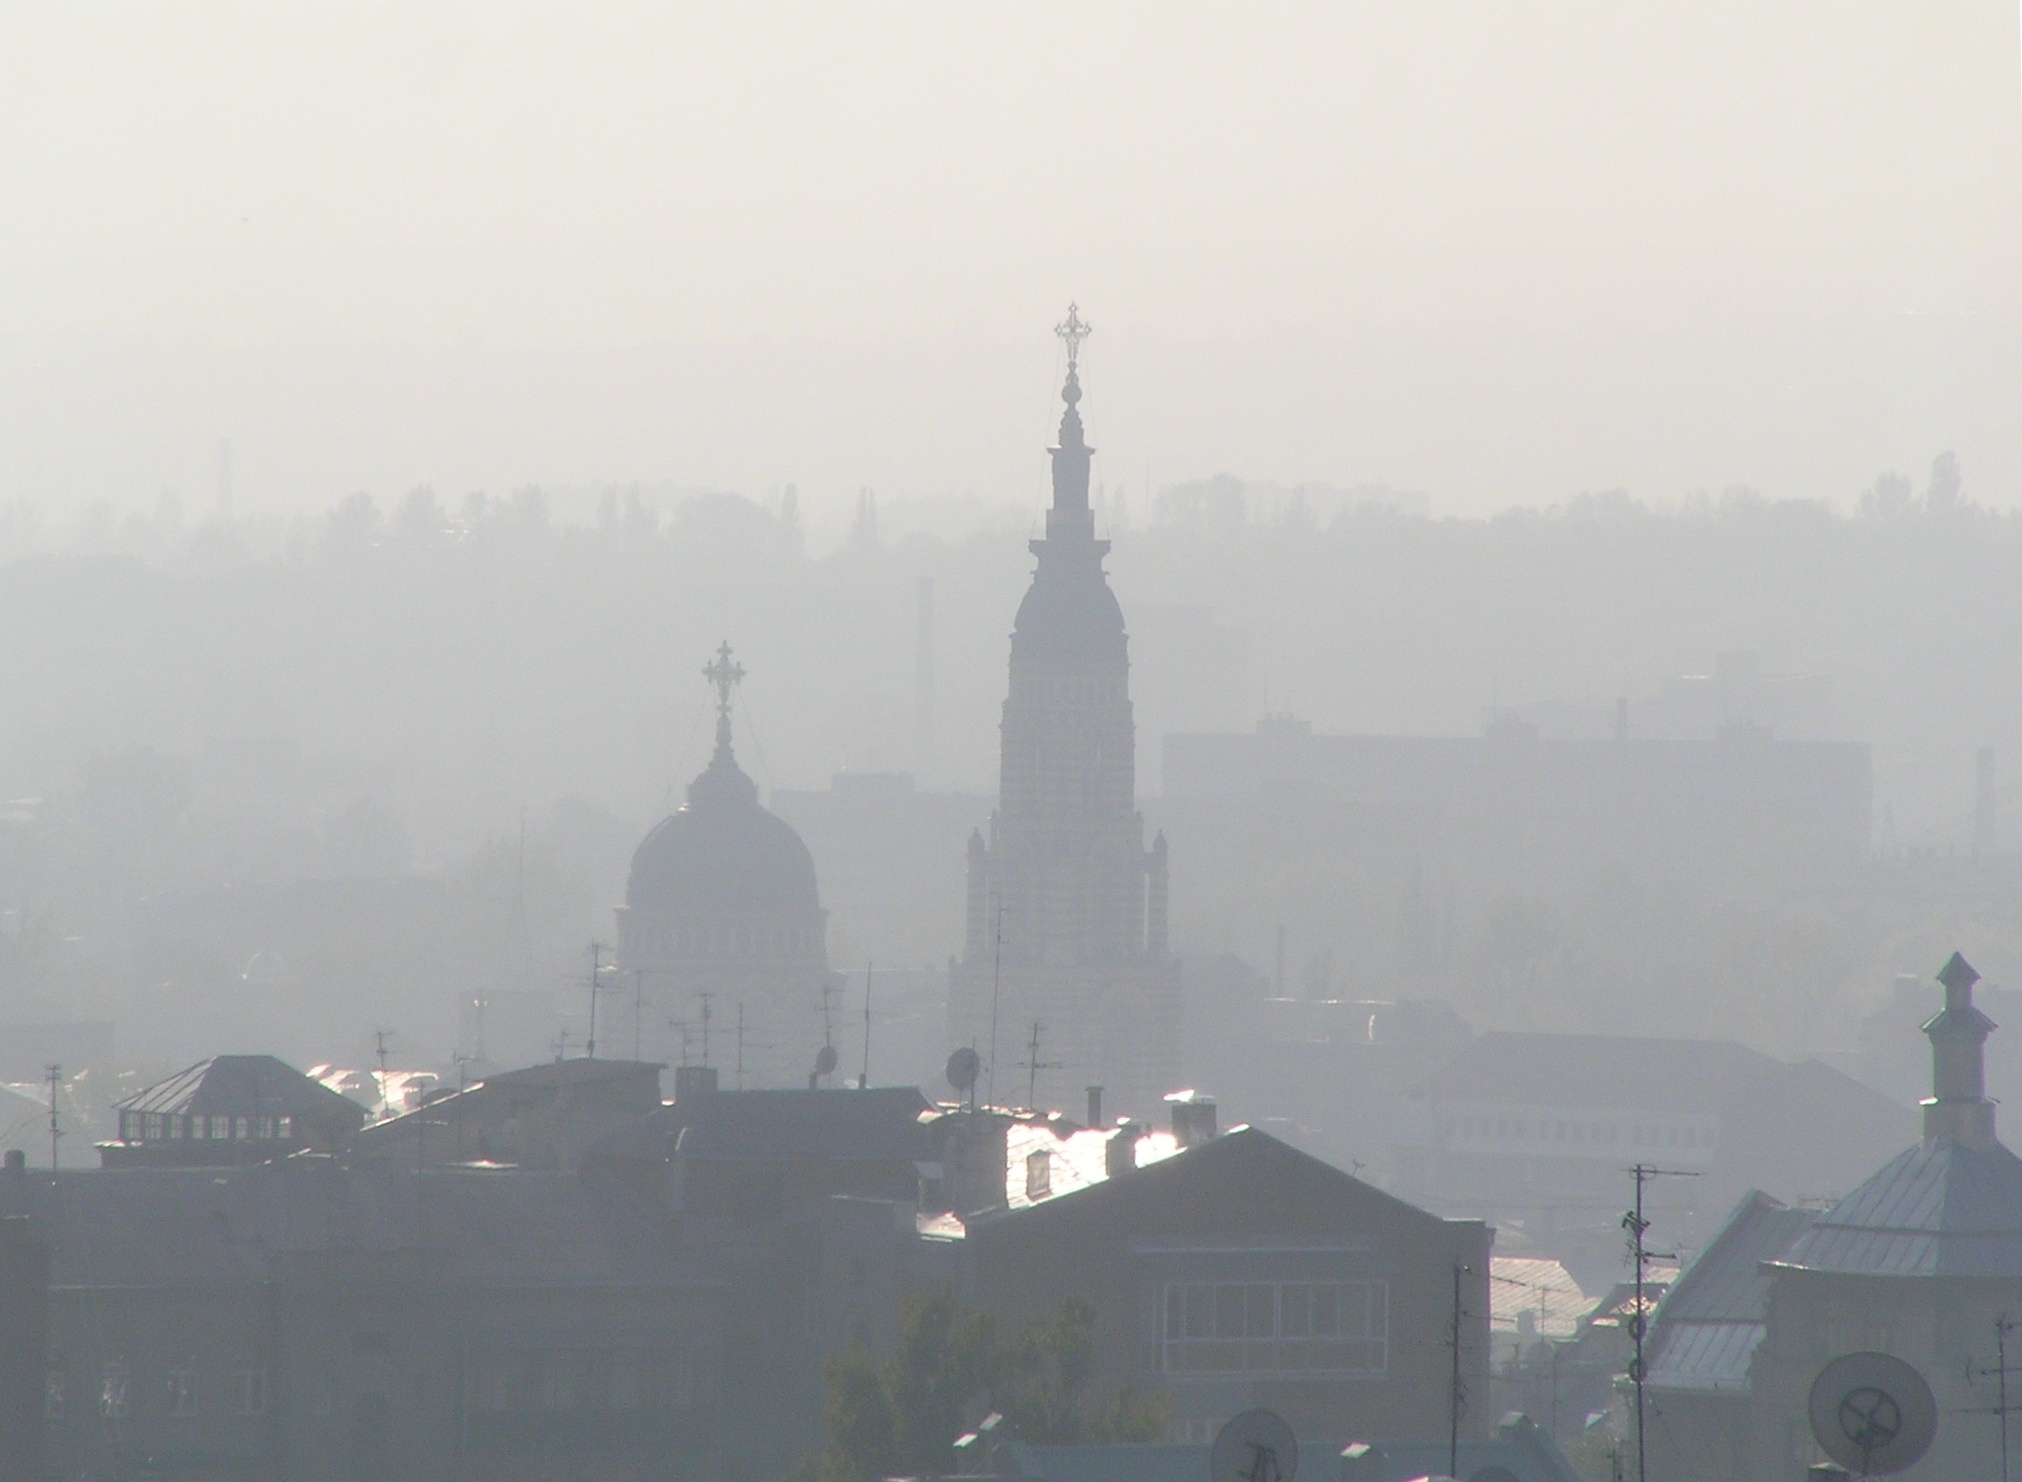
1497,252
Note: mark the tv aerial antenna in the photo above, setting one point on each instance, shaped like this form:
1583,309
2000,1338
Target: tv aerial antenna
1873,1414
1032,1065
1255,1446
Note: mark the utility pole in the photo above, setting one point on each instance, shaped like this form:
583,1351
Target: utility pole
596,968
54,1075
1639,1325
740,1044
380,1040
708,1012
1456,1395
2001,1327
638,1010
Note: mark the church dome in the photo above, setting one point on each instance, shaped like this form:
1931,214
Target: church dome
722,851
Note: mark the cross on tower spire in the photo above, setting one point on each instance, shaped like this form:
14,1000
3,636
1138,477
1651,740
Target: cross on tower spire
1073,329
724,674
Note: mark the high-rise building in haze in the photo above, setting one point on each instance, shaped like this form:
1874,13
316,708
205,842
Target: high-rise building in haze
1065,979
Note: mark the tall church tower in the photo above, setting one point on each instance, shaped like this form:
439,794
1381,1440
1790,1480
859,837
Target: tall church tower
1066,906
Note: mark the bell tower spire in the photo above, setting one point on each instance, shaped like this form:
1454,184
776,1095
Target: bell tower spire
1070,517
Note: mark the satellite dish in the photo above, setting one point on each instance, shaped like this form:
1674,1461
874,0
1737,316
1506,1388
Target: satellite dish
963,1067
1873,1414
824,1062
1255,1446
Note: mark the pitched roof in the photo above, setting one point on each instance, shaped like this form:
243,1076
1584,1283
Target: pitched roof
1942,1208
1709,1323
1594,1070
882,1124
1246,1145
239,1086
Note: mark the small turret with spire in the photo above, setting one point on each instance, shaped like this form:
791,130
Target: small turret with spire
1958,1109
1071,518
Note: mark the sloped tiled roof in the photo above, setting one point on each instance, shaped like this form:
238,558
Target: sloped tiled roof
1942,1208
1545,1289
1709,1323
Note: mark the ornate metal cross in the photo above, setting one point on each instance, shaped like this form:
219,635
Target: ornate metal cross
1073,329
724,674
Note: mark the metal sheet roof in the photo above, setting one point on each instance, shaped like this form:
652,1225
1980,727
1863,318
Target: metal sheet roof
1710,1321
1941,1208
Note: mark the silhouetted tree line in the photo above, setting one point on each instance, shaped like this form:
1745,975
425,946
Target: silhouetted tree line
953,1366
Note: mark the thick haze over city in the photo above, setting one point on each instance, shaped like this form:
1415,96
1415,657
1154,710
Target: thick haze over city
1157,692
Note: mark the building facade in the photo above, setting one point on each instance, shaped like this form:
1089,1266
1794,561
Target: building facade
1065,965
1922,1262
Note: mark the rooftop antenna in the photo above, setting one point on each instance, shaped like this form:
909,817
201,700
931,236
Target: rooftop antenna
561,1043
1639,1325
2003,1326
864,1080
381,1039
996,989
53,1074
707,1013
740,1044
1033,1065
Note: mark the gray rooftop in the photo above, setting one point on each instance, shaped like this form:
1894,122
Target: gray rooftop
1709,1323
1942,1208
1601,1071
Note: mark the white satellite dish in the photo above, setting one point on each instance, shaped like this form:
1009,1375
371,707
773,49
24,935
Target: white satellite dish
1255,1446
1873,1414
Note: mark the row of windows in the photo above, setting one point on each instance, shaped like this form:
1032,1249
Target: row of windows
1277,1327
167,1127
1080,690
179,1393
1549,1129
719,941
570,1380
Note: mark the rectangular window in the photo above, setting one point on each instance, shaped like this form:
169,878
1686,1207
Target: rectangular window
1291,1327
1038,1174
182,1392
249,1390
115,1399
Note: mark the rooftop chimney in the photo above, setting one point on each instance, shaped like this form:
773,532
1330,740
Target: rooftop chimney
1958,1108
1119,1153
1095,1106
1193,1117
